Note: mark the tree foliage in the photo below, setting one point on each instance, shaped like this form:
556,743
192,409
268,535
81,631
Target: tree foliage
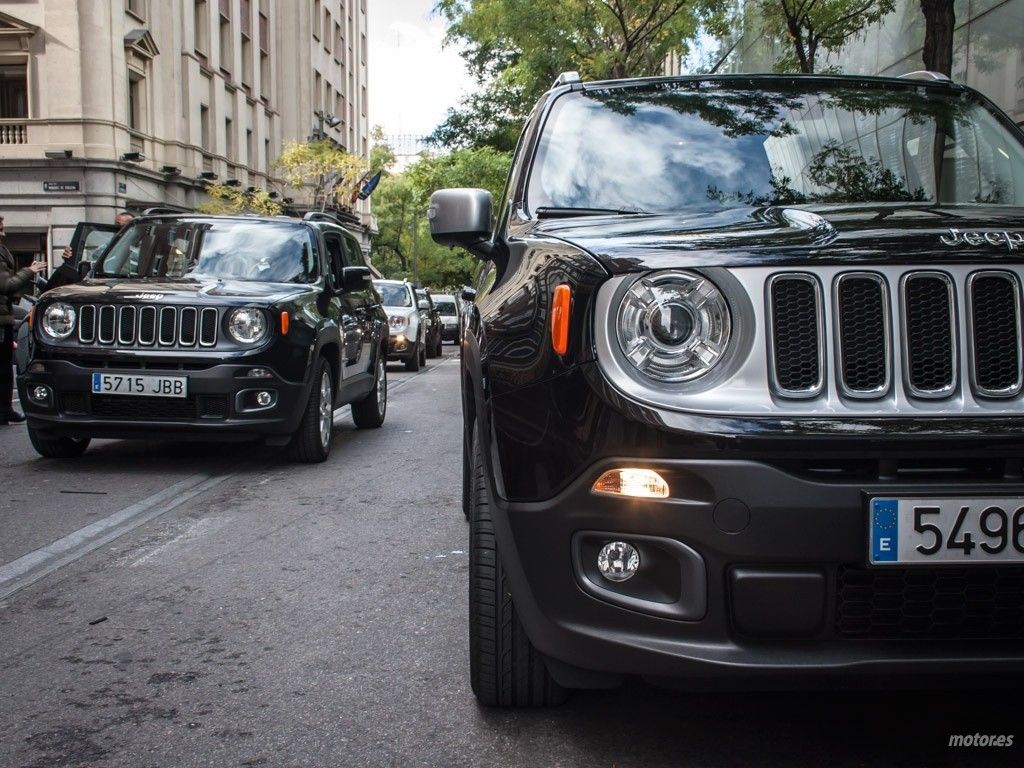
804,27
516,48
235,200
403,249
323,168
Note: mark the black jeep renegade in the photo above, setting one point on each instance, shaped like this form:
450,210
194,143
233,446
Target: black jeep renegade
206,327
742,387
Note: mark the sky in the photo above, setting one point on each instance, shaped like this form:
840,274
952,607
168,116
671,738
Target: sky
413,78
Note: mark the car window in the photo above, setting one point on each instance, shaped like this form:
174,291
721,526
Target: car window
353,254
394,294
336,255
445,306
237,250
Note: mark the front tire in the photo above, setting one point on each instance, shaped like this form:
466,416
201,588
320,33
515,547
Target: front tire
413,362
505,670
311,443
58,447
369,412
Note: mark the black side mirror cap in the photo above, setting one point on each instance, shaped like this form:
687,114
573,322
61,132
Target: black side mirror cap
468,294
355,278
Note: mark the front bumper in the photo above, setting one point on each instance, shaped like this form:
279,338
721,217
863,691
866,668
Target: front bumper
779,590
220,404
401,346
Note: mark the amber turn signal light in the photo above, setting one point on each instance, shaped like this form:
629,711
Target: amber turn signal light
285,322
560,318
638,483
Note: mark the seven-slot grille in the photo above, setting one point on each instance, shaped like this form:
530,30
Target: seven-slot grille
127,325
861,310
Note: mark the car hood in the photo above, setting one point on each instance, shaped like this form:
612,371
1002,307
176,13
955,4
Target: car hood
780,235
400,310
200,291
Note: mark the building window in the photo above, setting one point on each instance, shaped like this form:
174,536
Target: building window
204,126
13,91
266,156
136,101
202,24
316,19
339,42
229,139
226,50
264,32
136,8
250,148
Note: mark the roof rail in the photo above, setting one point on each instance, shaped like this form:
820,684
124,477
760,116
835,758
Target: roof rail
322,216
925,74
157,211
567,78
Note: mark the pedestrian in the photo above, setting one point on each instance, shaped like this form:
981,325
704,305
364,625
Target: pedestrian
12,282
66,273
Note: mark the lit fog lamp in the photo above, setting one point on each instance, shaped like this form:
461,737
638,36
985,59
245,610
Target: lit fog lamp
41,394
263,399
618,561
258,373
638,483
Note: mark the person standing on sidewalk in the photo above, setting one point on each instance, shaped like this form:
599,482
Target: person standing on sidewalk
12,282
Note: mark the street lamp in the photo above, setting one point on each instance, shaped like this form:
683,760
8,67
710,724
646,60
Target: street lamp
322,117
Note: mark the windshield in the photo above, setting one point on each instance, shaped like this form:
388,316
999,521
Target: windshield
392,295
445,306
667,147
232,250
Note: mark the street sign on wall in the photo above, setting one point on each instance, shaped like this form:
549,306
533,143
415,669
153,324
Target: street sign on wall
61,186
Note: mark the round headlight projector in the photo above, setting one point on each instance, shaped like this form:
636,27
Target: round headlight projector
618,561
59,320
247,325
674,326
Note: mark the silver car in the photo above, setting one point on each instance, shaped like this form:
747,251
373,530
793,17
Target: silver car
406,341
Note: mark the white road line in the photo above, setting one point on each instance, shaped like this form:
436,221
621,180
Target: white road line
29,568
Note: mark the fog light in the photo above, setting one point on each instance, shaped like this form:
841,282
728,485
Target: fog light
639,483
618,561
41,393
258,373
263,399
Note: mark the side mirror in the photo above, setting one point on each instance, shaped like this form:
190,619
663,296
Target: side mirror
462,217
355,278
468,294
423,304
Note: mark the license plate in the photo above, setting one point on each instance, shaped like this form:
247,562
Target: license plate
146,386
928,530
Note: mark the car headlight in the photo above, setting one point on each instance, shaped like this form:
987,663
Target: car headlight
59,320
247,325
398,322
674,326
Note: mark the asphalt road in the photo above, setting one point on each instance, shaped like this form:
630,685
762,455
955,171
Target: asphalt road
243,611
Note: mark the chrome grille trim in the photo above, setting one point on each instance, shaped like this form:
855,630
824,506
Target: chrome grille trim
127,316
847,391
107,315
948,389
168,319
87,328
147,341
777,387
188,322
208,314
972,341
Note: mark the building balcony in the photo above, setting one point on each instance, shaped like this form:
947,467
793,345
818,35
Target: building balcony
13,132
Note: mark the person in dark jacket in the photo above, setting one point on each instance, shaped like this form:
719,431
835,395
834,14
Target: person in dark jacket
66,274
12,282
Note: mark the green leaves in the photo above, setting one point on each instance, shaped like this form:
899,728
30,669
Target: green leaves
324,167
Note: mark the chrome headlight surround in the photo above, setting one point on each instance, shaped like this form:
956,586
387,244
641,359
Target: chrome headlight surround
398,322
674,327
59,320
247,325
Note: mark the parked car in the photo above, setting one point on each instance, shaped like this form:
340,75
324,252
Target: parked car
210,328
451,318
434,333
743,387
407,336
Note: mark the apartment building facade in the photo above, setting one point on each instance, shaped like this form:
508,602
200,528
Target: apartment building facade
108,105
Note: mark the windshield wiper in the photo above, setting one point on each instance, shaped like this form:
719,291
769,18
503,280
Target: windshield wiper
554,212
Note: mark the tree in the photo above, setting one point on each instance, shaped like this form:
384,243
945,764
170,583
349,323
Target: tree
939,22
227,200
323,167
404,249
516,49
806,27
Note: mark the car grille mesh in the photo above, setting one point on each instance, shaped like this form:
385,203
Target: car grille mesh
866,345
796,334
996,323
928,310
862,313
928,602
120,408
129,326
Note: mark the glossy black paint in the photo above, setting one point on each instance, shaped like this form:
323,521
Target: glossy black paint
343,323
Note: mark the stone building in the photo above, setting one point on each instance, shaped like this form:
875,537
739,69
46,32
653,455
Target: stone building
131,104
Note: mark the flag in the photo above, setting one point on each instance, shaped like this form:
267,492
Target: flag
371,185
